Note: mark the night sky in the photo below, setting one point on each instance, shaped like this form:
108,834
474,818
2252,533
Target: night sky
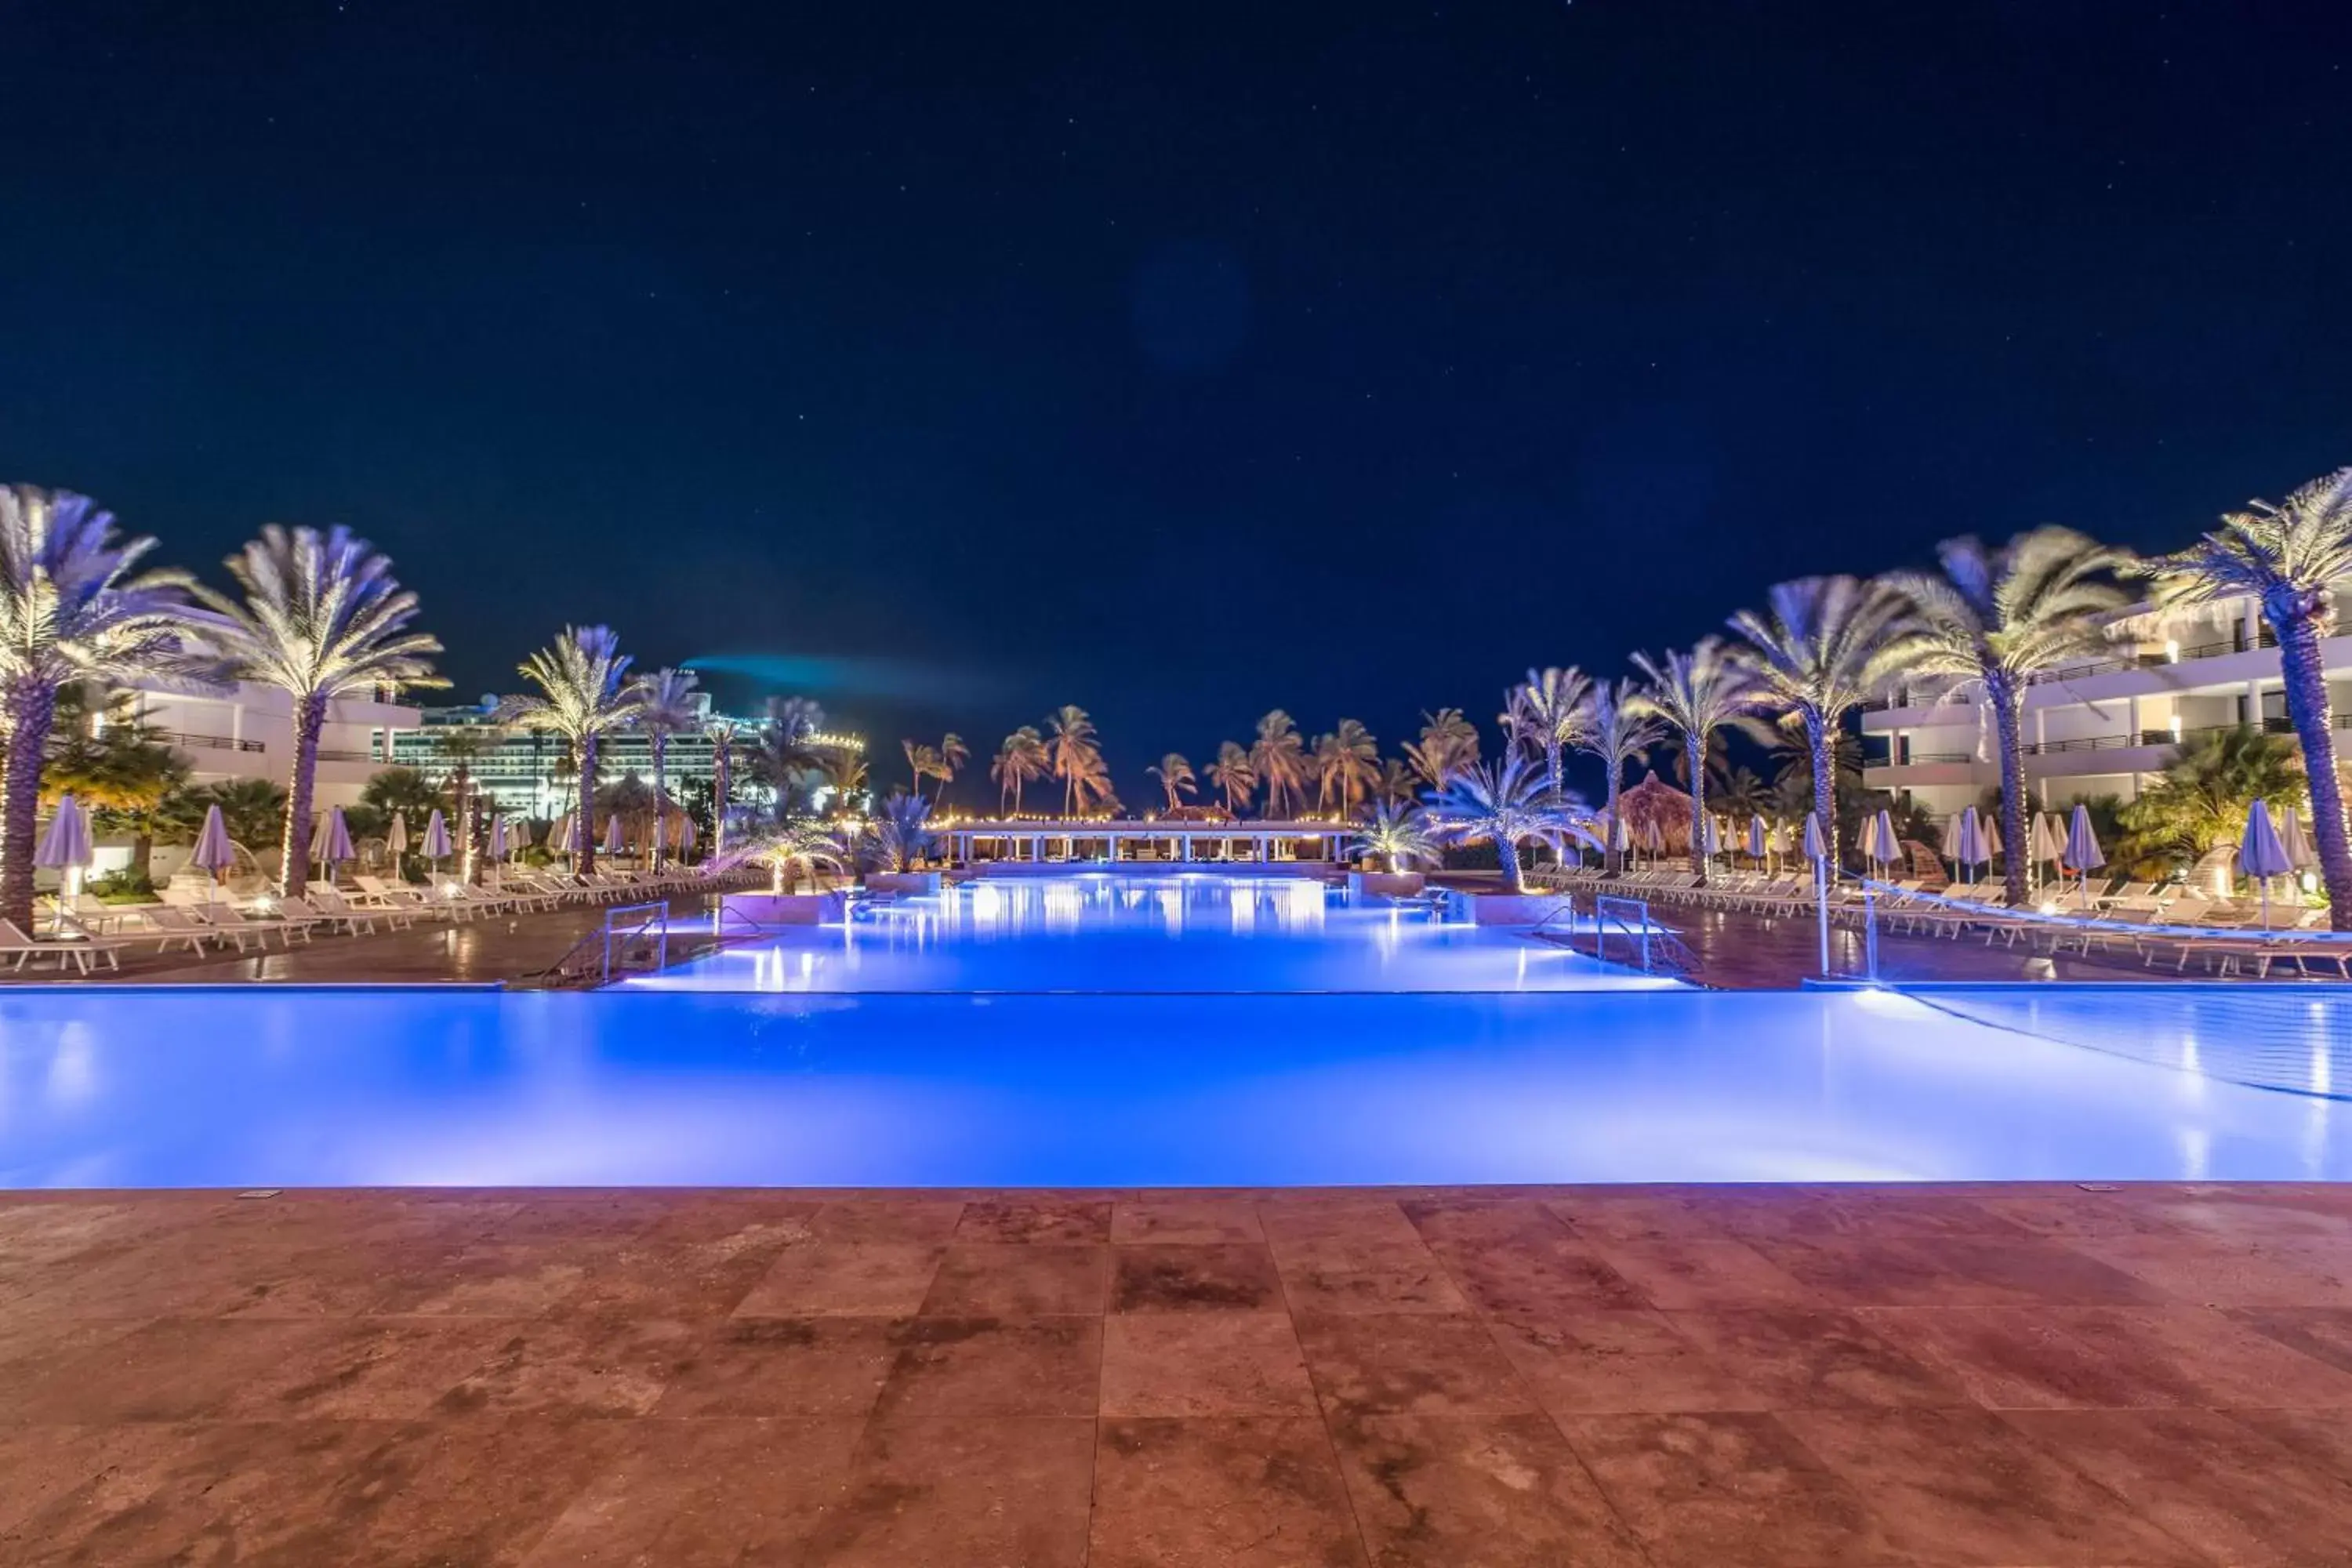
949,363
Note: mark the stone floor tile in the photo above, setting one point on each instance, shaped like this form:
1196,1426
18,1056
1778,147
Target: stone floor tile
1476,1222
805,1367
2222,1272
1535,1273
1704,1490
1616,1360
848,1278
1373,1277
1410,1364
1220,1492
1349,1223
706,1493
1956,1271
961,1494
678,1274
2216,1484
866,1220
1195,1276
1501,1491
988,1367
1019,1279
1016,1219
1200,1221
1696,1272
1799,1359
579,1361
492,1278
1204,1363
2322,1333
1963,1487
2111,1358
182,1369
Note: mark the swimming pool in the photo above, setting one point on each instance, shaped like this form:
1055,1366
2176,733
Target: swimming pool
1105,932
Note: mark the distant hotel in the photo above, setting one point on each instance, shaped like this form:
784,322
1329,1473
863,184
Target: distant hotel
2106,726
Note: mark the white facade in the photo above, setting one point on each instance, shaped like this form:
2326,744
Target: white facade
2106,726
248,732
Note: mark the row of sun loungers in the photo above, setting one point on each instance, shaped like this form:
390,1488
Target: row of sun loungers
2157,924
186,920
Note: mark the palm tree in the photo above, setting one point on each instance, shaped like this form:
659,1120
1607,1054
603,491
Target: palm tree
461,746
1542,713
1697,693
322,617
1398,784
724,735
1346,765
1175,774
1619,728
785,749
1277,757
1232,774
844,773
583,679
953,755
1823,644
787,850
1448,746
1398,835
1993,620
124,773
670,702
899,834
922,760
1505,803
253,810
1020,759
2201,800
2289,556
1076,757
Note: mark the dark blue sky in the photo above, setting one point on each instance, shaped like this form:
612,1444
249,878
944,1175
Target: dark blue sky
1179,361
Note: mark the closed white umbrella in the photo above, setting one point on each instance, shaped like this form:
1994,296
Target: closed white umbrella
435,847
1971,850
214,852
2048,841
686,833
67,847
2291,834
2083,851
1884,847
1816,850
499,836
612,839
1759,838
2261,854
339,840
1710,842
1992,825
395,839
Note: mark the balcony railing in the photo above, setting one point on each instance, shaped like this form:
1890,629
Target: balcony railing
2265,638
193,743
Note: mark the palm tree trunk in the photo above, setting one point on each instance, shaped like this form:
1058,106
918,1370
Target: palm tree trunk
1552,766
465,823
34,710
1612,861
661,758
294,858
2307,705
1817,744
1508,854
587,786
719,790
1694,750
2009,729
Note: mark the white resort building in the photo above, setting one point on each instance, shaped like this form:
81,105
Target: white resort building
247,733
2104,726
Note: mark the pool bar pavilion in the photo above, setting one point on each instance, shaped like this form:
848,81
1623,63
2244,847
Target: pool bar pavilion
1061,841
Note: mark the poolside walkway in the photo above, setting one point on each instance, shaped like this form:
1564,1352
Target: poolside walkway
1685,1378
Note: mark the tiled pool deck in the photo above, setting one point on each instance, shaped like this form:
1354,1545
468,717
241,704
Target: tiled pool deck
1708,1377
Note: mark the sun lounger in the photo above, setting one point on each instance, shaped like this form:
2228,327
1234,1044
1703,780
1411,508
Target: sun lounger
81,953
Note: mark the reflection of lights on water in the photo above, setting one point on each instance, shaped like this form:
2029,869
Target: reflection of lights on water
2190,1057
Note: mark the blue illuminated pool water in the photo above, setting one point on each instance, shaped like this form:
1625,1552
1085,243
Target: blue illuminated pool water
1105,1034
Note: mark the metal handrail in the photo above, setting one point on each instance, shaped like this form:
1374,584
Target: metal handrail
1611,907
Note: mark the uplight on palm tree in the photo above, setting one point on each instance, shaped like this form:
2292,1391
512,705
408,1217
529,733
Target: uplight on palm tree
71,609
585,695
1175,776
789,851
1397,835
1020,759
1505,803
724,734
1821,645
1993,620
1697,693
1233,776
1278,759
1076,755
2289,556
1543,714
322,617
670,702
1619,728
1346,765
